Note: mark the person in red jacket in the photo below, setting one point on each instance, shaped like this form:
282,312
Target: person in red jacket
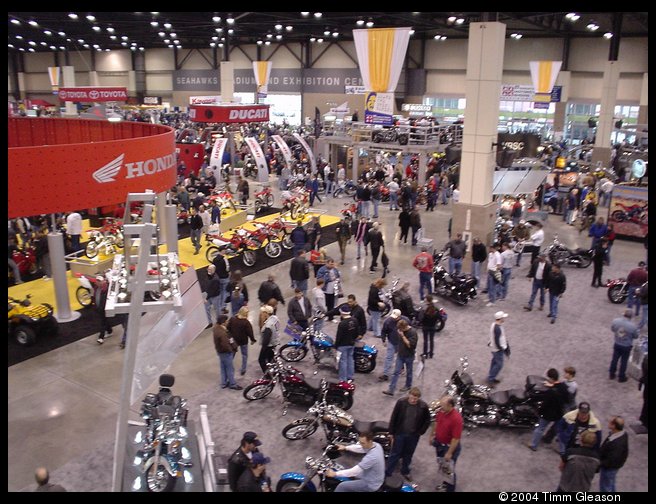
424,263
636,278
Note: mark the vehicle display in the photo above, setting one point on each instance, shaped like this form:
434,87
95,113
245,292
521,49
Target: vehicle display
25,321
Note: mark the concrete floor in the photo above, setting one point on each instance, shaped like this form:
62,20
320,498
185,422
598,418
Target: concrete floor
62,405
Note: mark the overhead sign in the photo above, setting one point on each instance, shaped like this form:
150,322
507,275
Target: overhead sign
205,100
284,148
416,107
379,108
301,140
93,94
229,113
196,80
354,90
152,100
526,143
519,92
341,109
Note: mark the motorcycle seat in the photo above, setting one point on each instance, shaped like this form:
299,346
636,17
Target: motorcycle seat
580,250
393,483
517,395
500,398
376,426
313,383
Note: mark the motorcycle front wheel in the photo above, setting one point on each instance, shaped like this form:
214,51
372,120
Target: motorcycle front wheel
258,205
616,295
439,325
364,364
287,242
211,253
160,480
257,391
268,201
289,486
341,400
584,262
300,429
618,216
273,249
248,258
294,212
91,250
83,296
292,353
350,190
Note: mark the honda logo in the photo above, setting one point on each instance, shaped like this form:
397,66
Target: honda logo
109,172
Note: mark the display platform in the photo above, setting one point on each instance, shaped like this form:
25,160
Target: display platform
232,219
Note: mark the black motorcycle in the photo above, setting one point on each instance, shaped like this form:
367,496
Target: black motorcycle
296,388
560,254
478,405
338,425
390,135
459,288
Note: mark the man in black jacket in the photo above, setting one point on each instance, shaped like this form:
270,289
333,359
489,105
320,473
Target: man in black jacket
409,420
405,357
402,300
347,334
240,459
376,241
223,273
299,309
613,454
269,290
357,312
299,271
195,225
254,478
551,408
479,255
556,284
213,289
539,272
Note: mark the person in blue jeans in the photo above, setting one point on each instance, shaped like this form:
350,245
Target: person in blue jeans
551,406
613,454
556,285
390,337
348,331
498,346
539,272
624,332
445,437
238,292
405,357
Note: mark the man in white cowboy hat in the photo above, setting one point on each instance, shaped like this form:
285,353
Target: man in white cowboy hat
498,346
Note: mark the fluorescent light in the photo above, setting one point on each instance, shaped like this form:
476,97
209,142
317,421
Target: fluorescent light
176,41
313,39
124,37
460,20
326,32
141,49
289,27
110,29
451,19
31,49
91,18
269,35
167,25
53,48
86,46
113,37
32,43
608,35
218,30
174,35
370,24
278,37
443,37
278,27
318,14
47,32
335,34
15,21
32,22
231,31
95,28
133,48
43,43
305,13
19,37
154,23
63,48
166,41
72,15
268,42
220,45
320,40
81,41
161,34
259,42
359,22
124,44
61,34
230,19
10,45
216,19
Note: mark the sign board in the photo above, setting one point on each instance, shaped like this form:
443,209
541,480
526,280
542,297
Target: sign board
416,107
217,151
541,105
379,108
205,100
301,140
522,93
196,80
526,143
354,90
284,148
152,100
229,113
260,160
93,94
628,211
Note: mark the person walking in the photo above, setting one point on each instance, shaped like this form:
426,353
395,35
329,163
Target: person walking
415,224
551,406
42,477
375,306
240,460
222,266
269,336
599,256
445,437
556,284
479,255
409,421
243,189
624,332
73,229
376,241
613,454
213,292
299,237
428,317
359,231
331,278
520,233
241,331
348,332
269,290
539,272
393,187
299,271
637,277
423,262
237,291
314,190
643,297
225,348
494,274
498,346
314,233
404,223
299,309
195,226
390,337
574,423
597,231
318,300
457,250
343,232
206,218
404,357
507,260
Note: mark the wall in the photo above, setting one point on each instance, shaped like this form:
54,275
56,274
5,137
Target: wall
321,100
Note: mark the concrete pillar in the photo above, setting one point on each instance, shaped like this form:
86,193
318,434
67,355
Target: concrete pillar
643,116
560,116
132,83
21,85
68,80
94,80
63,312
605,125
474,215
227,81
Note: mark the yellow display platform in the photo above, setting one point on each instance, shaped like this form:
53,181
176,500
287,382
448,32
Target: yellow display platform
231,219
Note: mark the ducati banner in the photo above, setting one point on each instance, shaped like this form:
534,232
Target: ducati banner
284,148
229,113
217,151
310,154
260,160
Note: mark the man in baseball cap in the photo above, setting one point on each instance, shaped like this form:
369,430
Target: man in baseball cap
254,479
499,347
241,458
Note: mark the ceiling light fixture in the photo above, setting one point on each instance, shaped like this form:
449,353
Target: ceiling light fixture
313,39
19,37
230,19
10,46
608,35
141,49
592,26
171,46
162,34
289,27
91,18
63,48
43,43
113,37
31,49
81,41
61,34
212,44
370,23
95,28
268,42
326,32
16,22
269,35
335,34
133,48
459,21
451,19
72,15
231,31
412,32
47,32
278,27
174,35
96,46
110,29
218,30
572,16
215,38
53,48
318,14
216,19
176,41
31,22
220,45
124,37
86,46
259,42
305,14
154,23
278,37
167,26
320,40
21,49
166,41
443,37
124,44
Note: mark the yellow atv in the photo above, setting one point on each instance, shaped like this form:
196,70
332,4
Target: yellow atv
25,321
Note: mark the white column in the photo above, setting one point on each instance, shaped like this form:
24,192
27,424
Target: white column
644,100
68,80
608,98
227,81
93,78
132,83
21,84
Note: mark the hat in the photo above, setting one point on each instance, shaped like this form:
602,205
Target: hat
395,313
345,309
584,407
268,309
201,194
259,459
500,315
628,313
251,437
522,221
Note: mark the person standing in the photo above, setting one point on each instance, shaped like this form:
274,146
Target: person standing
254,479
269,336
393,187
215,212
347,334
498,346
404,223
269,290
213,291
206,218
299,309
635,279
415,224
241,331
573,424
613,454
314,233
299,237
409,421
237,291
556,284
359,230
195,226
376,197
314,190
625,332
318,300
599,256
376,242
225,348
243,189
520,233
404,357
507,260
479,255
240,460
428,316
42,252
390,337
299,271
597,231
551,406
369,472
423,262
539,272
341,173
331,277
42,477
445,437
643,298
375,306
493,269
223,272
343,232
536,241
457,249
74,229
579,465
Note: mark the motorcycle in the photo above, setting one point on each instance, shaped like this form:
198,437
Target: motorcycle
441,320
263,199
85,293
386,298
459,288
350,213
634,213
390,135
25,259
239,243
113,227
478,405
559,254
296,388
263,234
299,482
283,230
347,187
323,349
295,205
164,458
618,290
338,425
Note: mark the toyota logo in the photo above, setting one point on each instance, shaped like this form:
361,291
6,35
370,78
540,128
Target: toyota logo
62,94
93,94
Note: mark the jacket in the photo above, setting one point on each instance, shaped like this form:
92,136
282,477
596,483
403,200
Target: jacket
222,266
241,330
580,467
221,339
404,220
237,463
534,267
457,248
195,222
556,283
554,401
567,425
390,331
212,286
415,220
422,419
347,332
479,252
402,301
269,290
299,269
405,351
359,230
373,299
325,273
614,452
376,239
299,236
294,311
242,287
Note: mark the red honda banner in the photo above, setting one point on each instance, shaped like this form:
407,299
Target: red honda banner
93,94
229,113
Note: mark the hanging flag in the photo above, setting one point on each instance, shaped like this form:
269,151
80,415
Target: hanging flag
53,73
262,70
544,74
381,52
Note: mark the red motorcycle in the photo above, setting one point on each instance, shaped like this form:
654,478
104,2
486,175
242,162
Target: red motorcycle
263,199
634,213
239,243
225,201
296,205
25,259
618,290
283,230
349,214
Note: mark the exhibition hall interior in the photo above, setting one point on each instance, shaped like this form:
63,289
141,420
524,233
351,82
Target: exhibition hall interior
328,252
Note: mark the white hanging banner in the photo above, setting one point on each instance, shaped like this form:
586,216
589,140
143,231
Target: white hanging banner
301,140
217,152
544,74
381,52
262,71
53,74
260,160
284,148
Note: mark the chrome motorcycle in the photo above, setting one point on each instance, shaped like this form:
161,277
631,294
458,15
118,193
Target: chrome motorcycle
296,388
459,288
338,425
479,405
299,482
618,290
164,458
560,254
